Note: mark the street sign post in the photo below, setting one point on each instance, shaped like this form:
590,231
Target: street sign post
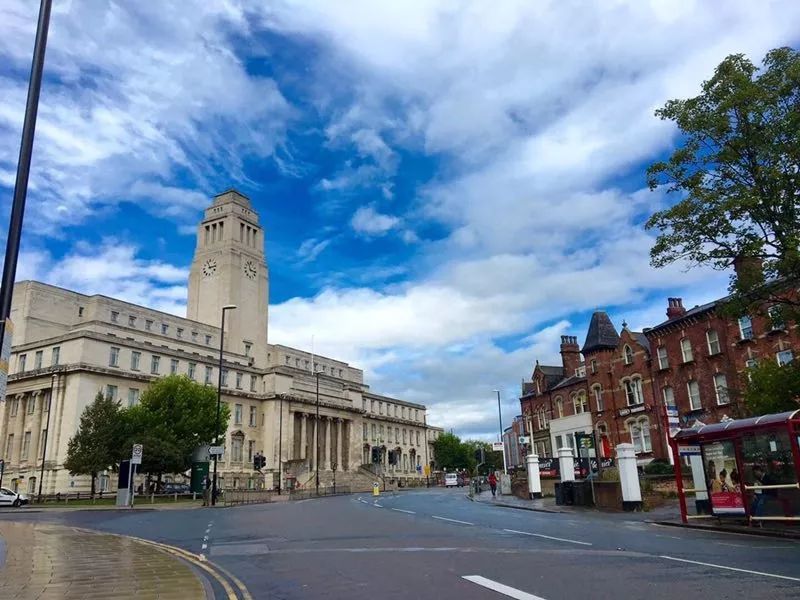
498,446
5,356
215,450
136,460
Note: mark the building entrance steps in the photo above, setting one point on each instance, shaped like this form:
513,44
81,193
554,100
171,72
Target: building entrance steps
43,561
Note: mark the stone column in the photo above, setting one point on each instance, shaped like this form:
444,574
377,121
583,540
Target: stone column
328,444
347,425
303,436
313,444
534,480
339,452
566,464
36,439
629,477
19,428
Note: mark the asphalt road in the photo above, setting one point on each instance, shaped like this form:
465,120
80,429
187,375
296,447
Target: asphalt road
437,544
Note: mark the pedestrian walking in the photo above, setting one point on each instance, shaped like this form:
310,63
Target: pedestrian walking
206,491
493,483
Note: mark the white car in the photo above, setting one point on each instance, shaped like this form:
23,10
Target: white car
9,498
450,480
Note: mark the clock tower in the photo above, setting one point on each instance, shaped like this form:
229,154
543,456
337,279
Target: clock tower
230,267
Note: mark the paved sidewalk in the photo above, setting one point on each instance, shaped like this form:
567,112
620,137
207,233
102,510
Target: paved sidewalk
548,504
42,561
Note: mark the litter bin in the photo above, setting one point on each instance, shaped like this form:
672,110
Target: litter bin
568,492
583,493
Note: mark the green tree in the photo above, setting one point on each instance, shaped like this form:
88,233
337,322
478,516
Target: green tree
95,446
737,173
452,453
174,417
493,461
773,388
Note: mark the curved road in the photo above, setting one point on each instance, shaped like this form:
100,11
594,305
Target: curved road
437,544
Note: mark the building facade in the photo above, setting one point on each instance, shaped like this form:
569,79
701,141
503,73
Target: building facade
68,346
640,387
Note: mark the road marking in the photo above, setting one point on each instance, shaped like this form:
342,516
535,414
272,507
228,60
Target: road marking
377,505
452,520
500,588
548,537
408,512
705,564
205,546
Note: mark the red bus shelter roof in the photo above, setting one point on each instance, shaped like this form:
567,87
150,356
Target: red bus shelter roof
736,425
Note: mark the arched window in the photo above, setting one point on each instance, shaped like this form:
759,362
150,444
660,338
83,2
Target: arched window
627,354
559,407
597,392
580,403
640,434
602,440
633,391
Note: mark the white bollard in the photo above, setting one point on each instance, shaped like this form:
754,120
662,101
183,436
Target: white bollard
566,464
629,477
534,480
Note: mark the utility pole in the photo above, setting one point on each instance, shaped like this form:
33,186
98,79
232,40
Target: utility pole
280,448
500,417
23,166
46,433
219,399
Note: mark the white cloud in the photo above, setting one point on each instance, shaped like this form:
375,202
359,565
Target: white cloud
534,112
311,248
133,94
113,269
367,221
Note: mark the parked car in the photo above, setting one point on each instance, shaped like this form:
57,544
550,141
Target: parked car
9,498
176,488
451,480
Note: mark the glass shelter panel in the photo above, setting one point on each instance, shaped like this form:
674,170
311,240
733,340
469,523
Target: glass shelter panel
768,461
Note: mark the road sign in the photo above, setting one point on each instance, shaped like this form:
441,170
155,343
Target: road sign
497,446
5,356
427,470
419,469
215,450
136,454
688,450
524,439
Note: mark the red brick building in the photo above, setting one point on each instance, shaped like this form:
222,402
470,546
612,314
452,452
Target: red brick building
634,387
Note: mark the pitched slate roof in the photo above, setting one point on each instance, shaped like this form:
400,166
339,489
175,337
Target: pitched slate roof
601,335
552,375
697,310
569,381
641,338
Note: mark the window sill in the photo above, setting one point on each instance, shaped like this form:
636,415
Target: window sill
745,340
688,362
710,354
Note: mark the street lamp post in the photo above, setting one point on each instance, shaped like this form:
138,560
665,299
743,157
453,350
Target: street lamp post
500,417
46,434
219,400
23,166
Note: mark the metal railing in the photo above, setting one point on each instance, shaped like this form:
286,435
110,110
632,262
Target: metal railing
234,497
312,493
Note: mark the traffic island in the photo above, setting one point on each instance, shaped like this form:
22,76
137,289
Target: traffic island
48,561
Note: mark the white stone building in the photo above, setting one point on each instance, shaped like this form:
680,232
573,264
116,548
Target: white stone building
69,346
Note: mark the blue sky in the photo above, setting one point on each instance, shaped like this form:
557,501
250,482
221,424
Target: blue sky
446,187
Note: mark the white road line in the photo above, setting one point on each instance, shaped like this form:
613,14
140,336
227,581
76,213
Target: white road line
408,512
452,520
363,501
377,505
705,564
547,537
205,546
501,588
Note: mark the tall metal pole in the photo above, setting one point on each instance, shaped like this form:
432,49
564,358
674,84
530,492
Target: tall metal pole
23,166
316,432
500,417
219,400
280,447
46,434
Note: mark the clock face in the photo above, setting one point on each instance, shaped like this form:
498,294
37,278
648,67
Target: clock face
249,269
209,267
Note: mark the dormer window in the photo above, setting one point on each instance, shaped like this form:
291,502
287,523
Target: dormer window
627,354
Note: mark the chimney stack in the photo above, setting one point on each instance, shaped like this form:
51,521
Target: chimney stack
675,308
749,271
570,354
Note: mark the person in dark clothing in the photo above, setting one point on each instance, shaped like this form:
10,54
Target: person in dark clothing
493,483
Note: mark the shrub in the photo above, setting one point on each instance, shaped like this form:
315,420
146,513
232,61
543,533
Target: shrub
659,467
610,474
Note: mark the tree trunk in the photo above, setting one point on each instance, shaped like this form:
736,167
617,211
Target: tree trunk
94,474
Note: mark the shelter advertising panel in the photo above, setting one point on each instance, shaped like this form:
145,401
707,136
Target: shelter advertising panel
723,478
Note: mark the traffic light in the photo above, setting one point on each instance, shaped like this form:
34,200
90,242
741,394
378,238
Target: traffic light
263,461
256,462
376,455
480,456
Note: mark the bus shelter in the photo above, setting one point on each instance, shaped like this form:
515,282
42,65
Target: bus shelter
744,468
